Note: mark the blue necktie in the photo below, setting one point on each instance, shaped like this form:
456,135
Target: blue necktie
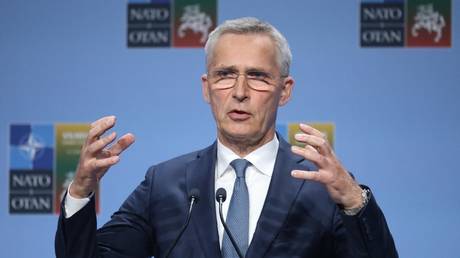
238,213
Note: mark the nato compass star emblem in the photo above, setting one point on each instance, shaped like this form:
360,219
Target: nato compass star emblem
31,168
32,147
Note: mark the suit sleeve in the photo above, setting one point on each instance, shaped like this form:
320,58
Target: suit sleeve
367,233
129,232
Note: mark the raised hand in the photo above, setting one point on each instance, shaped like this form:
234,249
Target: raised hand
342,188
96,158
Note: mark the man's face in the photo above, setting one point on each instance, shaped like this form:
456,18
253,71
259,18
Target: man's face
245,115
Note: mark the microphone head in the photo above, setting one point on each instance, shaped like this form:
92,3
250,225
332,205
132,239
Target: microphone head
221,194
194,194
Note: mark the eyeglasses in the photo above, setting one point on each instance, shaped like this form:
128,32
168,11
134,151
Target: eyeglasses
256,80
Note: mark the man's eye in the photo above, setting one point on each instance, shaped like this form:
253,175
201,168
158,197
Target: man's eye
258,75
224,74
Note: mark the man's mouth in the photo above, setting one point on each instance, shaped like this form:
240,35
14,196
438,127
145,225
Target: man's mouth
239,115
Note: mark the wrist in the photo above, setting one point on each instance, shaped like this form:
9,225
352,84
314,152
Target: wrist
353,210
353,199
77,191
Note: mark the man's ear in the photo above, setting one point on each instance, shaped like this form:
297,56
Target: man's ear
288,85
205,88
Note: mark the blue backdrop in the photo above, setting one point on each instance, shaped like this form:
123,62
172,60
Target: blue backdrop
396,110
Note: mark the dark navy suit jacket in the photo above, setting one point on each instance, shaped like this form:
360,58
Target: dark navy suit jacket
298,218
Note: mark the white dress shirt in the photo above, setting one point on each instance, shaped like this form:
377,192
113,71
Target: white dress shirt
72,205
258,176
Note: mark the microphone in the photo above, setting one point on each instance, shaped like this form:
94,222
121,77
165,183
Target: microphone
221,196
194,196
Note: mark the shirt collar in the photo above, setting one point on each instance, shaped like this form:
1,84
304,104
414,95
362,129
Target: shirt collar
262,158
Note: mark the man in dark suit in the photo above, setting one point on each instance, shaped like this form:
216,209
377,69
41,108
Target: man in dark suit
283,201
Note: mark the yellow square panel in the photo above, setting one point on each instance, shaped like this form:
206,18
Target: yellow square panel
326,128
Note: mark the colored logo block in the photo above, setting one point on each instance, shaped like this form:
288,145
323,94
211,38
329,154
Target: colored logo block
429,23
410,23
31,146
193,21
290,130
382,24
69,140
43,159
163,23
149,25
31,168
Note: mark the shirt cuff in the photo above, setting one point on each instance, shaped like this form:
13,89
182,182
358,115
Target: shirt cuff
72,205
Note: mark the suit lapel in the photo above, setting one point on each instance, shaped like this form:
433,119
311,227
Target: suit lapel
281,194
201,175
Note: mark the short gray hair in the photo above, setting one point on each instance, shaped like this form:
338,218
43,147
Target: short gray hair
251,25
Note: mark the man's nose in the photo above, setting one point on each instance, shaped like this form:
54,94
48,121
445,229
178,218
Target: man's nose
241,89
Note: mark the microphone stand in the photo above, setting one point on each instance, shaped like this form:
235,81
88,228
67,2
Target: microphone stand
220,200
193,199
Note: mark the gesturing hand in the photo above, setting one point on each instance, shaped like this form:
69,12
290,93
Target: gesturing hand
342,188
96,158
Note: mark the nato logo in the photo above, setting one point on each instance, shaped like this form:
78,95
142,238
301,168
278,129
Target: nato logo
382,24
149,24
31,147
167,23
409,23
31,168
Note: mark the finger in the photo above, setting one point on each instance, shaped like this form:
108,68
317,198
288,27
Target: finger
319,143
101,120
99,127
311,148
105,153
309,154
311,130
124,142
101,143
308,175
101,164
